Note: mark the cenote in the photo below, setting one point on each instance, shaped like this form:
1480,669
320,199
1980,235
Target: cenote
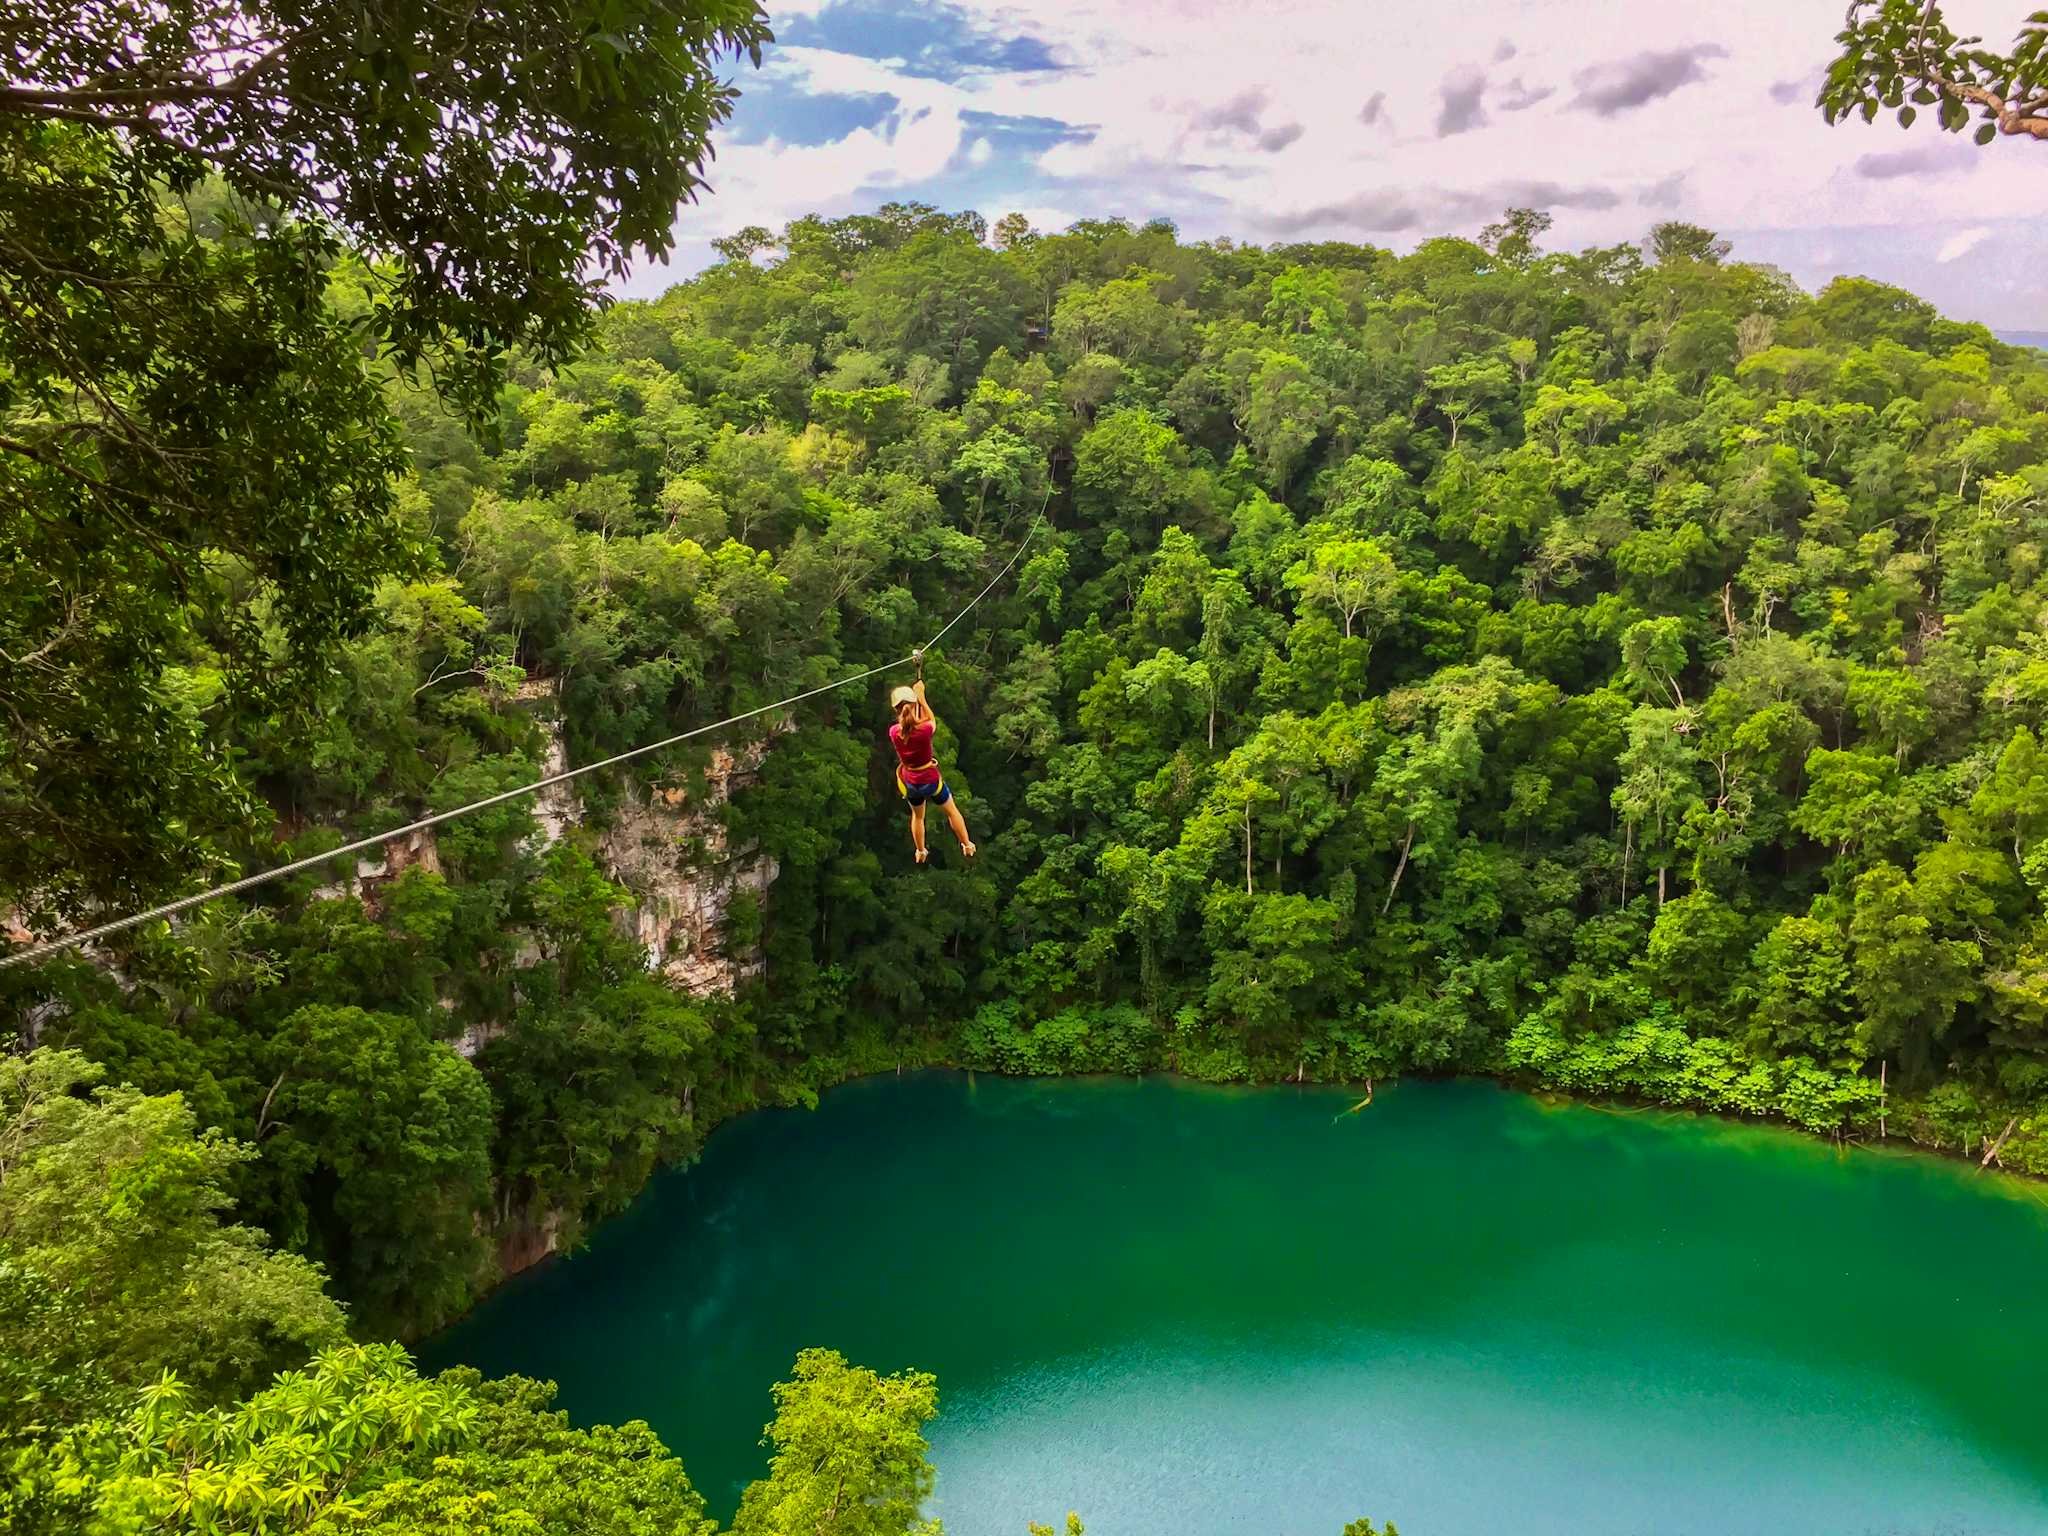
1190,1310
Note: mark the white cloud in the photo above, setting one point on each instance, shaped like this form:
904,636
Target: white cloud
1747,162
1340,103
773,182
1961,244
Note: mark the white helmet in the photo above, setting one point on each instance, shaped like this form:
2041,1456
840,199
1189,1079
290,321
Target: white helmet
901,697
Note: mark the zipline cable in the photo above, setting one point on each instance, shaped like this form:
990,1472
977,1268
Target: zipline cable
173,908
1023,545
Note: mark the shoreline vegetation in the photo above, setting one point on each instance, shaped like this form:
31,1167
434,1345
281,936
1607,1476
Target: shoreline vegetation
1725,1097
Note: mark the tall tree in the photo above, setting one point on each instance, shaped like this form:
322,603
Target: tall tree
500,158
1658,784
1356,579
850,1454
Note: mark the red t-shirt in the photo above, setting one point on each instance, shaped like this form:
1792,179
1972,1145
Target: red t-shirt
914,753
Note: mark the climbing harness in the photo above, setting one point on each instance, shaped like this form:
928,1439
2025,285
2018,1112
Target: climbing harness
903,789
173,908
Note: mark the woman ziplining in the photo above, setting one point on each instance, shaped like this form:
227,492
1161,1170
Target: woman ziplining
918,779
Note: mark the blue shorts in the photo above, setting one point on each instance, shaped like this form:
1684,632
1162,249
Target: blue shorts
919,794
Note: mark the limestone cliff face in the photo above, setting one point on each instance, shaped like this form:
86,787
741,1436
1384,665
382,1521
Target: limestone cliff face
670,850
365,876
674,856
557,807
523,1241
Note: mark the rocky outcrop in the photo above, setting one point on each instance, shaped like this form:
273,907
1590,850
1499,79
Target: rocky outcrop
475,1035
365,876
524,1241
668,848
557,807
673,854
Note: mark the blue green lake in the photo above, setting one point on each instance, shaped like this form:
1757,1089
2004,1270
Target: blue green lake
1190,1311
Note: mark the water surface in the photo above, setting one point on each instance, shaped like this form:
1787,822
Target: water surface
1188,1311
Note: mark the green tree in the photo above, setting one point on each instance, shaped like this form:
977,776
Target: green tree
1419,781
1653,657
172,491
593,1079
1675,241
1286,408
1465,388
1354,577
288,1459
1130,471
1902,56
1658,786
2014,799
1852,800
1800,995
1700,347
378,1138
593,138
1892,705
850,1457
1909,980
1225,607
114,1200
520,1466
998,461
1513,239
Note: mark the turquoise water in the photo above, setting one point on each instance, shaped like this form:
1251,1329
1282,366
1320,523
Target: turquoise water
1187,1311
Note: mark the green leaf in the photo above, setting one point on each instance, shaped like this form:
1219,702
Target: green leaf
1987,133
1906,116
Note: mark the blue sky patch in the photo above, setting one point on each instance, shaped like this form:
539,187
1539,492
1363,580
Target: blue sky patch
934,41
1023,135
773,110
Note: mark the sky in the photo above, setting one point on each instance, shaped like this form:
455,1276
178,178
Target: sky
1278,120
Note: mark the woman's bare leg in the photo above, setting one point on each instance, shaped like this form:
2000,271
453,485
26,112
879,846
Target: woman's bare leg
917,830
959,824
